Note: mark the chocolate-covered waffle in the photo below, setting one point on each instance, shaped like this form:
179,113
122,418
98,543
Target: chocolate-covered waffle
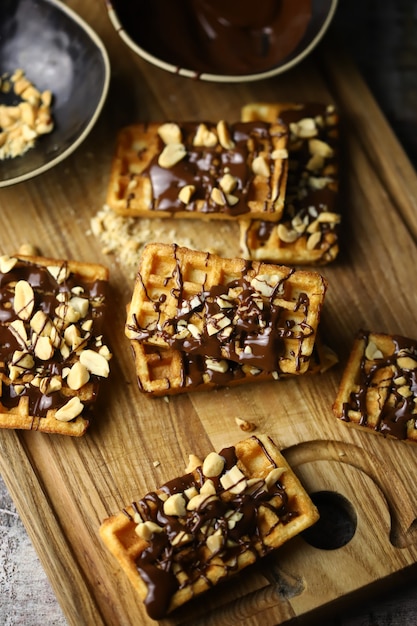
378,390
165,371
196,169
307,232
52,356
209,524
253,313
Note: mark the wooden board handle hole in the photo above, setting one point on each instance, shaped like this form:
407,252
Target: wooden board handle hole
337,523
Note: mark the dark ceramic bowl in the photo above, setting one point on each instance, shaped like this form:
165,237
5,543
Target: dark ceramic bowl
60,52
171,43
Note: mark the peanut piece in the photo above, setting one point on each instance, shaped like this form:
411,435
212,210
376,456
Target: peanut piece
234,480
21,361
193,462
245,425
170,133
273,476
260,167
213,465
175,505
145,530
80,304
7,263
313,240
373,352
182,538
320,148
95,363
59,272
18,329
50,385
44,350
200,501
78,376
24,299
70,410
218,196
186,193
286,235
172,154
407,363
262,284
215,365
228,183
225,139
215,541
208,488
205,137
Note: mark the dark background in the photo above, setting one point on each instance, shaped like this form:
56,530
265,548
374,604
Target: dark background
381,36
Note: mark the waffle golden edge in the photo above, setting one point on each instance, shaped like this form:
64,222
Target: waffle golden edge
378,390
199,169
248,312
200,529
307,232
163,372
52,357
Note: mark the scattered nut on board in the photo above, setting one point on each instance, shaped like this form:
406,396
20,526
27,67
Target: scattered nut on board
245,425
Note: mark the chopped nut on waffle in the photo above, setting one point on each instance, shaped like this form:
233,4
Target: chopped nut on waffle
378,391
195,169
201,528
52,356
252,313
307,232
165,371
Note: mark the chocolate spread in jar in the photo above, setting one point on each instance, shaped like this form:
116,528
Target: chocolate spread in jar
234,37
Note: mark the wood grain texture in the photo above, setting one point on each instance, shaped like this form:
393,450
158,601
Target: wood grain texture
63,488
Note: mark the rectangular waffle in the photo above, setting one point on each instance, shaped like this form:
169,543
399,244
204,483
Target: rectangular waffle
248,312
52,357
378,391
201,528
164,371
307,232
195,169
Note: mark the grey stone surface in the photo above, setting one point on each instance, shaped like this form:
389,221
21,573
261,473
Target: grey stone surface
26,596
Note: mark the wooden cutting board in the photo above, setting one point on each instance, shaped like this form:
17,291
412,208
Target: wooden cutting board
63,488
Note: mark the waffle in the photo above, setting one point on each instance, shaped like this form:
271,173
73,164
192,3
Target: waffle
196,169
200,529
52,357
165,371
248,312
378,388
307,232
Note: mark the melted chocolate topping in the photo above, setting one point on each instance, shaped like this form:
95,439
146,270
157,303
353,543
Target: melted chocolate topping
301,200
234,37
47,292
397,409
203,167
159,563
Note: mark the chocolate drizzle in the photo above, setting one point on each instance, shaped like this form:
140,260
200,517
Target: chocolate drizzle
396,409
161,562
252,329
